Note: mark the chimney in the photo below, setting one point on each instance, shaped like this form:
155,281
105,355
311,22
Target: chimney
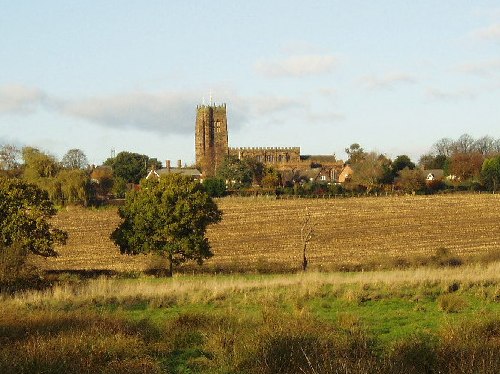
179,164
167,164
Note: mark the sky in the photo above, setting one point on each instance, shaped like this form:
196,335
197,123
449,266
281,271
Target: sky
393,76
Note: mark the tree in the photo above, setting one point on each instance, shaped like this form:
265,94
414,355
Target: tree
368,171
215,187
168,217
25,211
490,173
9,158
411,180
236,172
75,159
467,165
444,147
306,234
131,167
38,164
74,186
429,161
102,180
355,153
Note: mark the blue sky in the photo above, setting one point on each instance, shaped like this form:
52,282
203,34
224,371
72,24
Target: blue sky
394,76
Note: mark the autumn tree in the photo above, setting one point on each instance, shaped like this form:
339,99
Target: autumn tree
466,165
102,180
167,217
368,171
410,180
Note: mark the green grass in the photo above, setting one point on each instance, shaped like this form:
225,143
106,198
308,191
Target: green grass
388,322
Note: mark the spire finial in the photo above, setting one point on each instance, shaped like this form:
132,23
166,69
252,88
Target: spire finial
210,97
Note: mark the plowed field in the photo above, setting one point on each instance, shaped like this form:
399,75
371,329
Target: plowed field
263,232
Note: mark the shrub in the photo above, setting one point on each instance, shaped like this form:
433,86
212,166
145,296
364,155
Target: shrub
451,303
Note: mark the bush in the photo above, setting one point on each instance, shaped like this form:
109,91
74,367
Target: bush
215,187
451,303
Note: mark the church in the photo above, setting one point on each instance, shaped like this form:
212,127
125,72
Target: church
211,145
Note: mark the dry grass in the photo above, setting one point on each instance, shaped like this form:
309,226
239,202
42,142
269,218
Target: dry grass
260,233
207,288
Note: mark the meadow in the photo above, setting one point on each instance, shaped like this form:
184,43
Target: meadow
406,284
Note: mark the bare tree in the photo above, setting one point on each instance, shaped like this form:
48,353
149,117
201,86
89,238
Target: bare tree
306,234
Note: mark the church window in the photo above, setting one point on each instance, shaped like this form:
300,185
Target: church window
217,126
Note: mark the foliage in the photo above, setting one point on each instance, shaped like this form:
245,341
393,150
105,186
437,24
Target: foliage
75,159
38,164
131,167
168,217
401,162
410,180
355,153
271,178
466,165
368,171
238,173
215,187
102,179
25,210
9,158
490,173
75,186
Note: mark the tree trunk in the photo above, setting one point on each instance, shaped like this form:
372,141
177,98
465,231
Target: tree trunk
171,265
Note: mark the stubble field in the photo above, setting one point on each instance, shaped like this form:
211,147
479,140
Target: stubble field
263,234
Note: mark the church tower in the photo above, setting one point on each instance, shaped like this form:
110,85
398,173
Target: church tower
211,140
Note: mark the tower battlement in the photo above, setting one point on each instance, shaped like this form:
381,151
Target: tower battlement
211,139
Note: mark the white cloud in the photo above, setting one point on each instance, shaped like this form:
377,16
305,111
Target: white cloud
20,99
296,66
438,94
491,32
387,80
486,68
158,112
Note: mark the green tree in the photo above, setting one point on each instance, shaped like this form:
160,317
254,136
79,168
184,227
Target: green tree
25,210
215,187
236,172
75,159
38,164
355,153
490,173
131,167
167,217
74,187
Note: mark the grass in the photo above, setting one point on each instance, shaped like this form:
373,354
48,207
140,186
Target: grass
389,322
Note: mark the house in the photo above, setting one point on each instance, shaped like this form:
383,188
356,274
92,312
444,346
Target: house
346,174
433,174
187,171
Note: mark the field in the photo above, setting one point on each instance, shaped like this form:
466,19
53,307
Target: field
263,234
408,311
401,321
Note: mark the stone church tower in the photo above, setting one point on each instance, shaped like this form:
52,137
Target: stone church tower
211,140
